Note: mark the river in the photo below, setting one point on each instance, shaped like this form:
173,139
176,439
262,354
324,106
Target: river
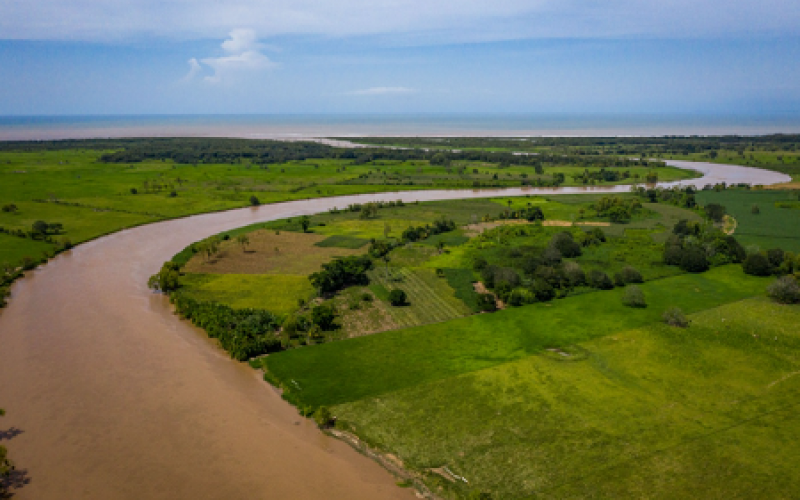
110,396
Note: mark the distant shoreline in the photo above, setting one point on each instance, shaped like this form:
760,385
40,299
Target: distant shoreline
296,127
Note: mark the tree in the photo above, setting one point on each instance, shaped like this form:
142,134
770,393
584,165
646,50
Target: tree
757,265
543,291
10,208
341,273
775,257
599,279
715,211
487,302
397,297
631,275
675,317
694,260
619,214
324,418
167,279
565,244
755,210
243,240
305,221
634,297
254,201
323,316
784,290
40,227
574,274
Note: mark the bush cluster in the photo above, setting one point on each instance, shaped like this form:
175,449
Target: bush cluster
244,333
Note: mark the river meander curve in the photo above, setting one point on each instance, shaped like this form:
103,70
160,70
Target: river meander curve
116,398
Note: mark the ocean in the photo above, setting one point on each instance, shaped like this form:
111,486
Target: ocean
354,125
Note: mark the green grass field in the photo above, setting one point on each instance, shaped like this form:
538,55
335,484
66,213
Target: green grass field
431,298
650,412
369,366
91,198
278,294
772,227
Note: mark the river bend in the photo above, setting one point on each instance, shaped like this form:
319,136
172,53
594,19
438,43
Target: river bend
116,398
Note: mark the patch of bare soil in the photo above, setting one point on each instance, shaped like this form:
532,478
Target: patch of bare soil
785,185
481,289
476,229
368,318
270,253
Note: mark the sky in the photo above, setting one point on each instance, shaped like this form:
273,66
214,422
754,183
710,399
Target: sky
90,57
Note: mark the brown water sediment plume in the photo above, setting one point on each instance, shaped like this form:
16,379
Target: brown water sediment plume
116,398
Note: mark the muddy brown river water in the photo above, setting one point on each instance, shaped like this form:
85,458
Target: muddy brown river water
110,396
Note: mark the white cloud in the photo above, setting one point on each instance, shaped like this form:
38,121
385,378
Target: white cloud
382,91
243,58
241,40
194,70
418,21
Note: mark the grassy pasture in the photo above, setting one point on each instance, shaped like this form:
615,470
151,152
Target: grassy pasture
653,412
276,293
14,249
773,227
369,366
269,253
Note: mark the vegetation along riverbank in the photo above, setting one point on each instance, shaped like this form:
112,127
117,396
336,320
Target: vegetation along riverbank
79,190
503,348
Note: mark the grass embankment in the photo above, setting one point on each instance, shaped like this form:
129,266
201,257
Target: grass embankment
654,411
369,366
772,227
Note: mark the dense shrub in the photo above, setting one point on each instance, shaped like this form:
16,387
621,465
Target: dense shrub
675,317
694,260
341,273
323,316
543,290
167,279
244,333
574,274
715,211
479,263
552,256
566,245
495,276
521,296
599,279
487,302
775,257
631,275
785,290
673,255
634,297
757,264
397,297
324,418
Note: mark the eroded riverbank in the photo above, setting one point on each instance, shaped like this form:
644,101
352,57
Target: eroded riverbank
116,398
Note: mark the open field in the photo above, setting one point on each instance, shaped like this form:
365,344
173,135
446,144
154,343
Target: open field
373,365
91,198
269,253
275,293
772,227
773,152
655,411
